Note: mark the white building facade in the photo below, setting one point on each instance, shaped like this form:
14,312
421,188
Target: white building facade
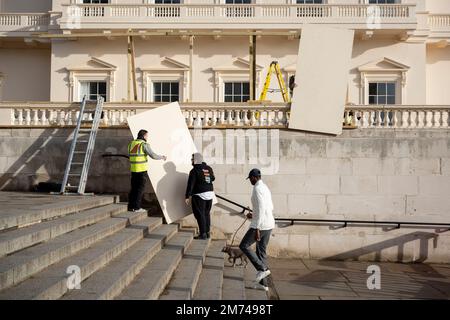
198,50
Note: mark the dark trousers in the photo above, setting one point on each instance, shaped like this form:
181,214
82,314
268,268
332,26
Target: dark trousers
259,260
138,180
202,213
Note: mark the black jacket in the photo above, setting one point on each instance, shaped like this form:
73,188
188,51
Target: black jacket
200,180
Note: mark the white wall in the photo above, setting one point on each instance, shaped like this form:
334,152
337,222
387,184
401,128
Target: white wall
438,6
438,75
210,53
26,74
412,55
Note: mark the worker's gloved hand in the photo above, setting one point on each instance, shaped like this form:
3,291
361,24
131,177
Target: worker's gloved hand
188,201
249,215
258,235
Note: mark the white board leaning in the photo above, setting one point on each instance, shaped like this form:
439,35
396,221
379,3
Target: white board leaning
323,65
168,135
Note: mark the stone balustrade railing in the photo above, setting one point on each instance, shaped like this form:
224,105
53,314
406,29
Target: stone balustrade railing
88,15
439,22
226,115
25,22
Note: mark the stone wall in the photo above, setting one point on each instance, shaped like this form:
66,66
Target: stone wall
363,174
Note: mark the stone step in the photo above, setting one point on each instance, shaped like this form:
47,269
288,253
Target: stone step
17,216
21,238
185,278
209,286
151,281
52,282
252,293
109,281
233,287
23,264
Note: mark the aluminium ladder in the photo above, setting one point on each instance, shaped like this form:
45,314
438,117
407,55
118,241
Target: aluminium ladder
82,148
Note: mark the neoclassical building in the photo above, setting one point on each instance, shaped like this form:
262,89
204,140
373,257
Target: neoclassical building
198,50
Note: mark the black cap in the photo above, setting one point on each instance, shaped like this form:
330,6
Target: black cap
254,173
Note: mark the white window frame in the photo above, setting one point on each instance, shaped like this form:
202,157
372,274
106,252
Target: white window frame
227,81
383,77
151,89
80,80
374,4
151,77
83,76
323,2
223,77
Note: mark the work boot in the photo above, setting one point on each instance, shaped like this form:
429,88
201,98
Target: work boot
202,236
208,235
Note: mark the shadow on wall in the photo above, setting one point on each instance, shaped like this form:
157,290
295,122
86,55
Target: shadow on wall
172,179
23,173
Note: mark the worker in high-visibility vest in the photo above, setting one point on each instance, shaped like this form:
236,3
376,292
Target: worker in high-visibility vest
138,150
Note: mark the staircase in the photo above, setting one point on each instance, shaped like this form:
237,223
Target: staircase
116,255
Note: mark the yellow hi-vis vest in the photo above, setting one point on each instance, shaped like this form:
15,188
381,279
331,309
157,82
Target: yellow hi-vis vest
138,158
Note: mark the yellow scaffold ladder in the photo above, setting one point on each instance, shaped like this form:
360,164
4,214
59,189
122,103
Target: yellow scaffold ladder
275,67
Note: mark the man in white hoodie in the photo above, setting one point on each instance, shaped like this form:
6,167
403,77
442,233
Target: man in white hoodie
260,228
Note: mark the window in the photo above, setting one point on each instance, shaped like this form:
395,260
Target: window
167,1
314,11
309,1
167,12
237,91
95,1
91,89
166,91
382,1
238,11
97,11
382,93
238,1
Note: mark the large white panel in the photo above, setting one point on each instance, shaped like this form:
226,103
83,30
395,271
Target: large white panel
168,135
322,71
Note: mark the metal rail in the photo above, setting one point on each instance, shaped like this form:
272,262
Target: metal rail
345,222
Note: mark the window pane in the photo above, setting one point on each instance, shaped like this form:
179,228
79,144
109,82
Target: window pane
390,99
166,88
237,88
381,100
174,87
157,98
228,99
372,100
246,88
372,88
166,98
157,87
228,88
382,88
102,88
391,89
93,88
175,98
245,98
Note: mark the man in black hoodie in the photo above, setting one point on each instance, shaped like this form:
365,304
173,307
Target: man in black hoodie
200,193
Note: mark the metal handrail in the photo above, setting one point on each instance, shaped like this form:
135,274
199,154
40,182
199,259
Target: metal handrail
345,222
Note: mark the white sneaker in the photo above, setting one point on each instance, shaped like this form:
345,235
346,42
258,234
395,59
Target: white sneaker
262,274
259,286
140,210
